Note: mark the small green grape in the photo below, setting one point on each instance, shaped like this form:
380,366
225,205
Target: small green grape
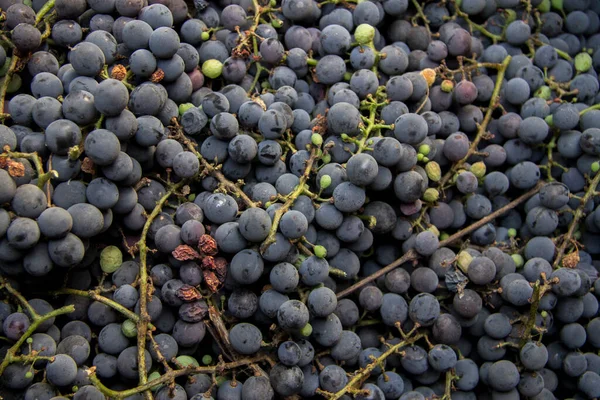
111,259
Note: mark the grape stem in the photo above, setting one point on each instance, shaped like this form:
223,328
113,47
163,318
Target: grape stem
482,129
145,283
420,14
365,372
450,377
594,107
495,38
43,177
411,255
37,319
12,69
104,300
539,289
291,198
223,336
44,10
211,169
169,376
371,103
590,192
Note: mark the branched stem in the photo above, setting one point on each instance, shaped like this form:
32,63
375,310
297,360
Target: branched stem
482,129
11,354
372,104
590,192
4,284
144,318
211,170
44,10
412,254
539,289
12,69
167,377
104,300
290,199
43,177
365,372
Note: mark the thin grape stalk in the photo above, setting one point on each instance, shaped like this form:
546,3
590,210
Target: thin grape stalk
364,373
208,168
43,177
220,368
12,355
146,284
412,254
482,129
579,213
291,198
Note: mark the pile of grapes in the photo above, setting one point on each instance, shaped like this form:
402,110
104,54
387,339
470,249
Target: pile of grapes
336,199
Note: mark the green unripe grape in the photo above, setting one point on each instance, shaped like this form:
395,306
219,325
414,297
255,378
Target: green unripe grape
347,76
320,251
316,139
544,92
463,261
518,259
306,330
425,159
583,62
29,340
325,182
212,68
444,235
14,84
191,197
277,23
431,195
544,314
364,34
595,166
557,4
129,328
207,359
273,3
326,158
4,68
186,361
424,149
435,230
111,259
549,120
447,86
433,170
512,232
184,107
205,36
544,6
28,374
154,376
511,15
478,169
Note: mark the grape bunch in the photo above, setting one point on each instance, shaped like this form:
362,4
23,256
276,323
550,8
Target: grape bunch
208,200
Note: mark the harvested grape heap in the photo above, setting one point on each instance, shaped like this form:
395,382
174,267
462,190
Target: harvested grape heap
338,199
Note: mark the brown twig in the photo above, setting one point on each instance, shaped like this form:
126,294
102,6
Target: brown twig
219,368
145,283
482,129
591,191
412,254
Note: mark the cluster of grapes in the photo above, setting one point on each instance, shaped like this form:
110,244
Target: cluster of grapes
208,200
